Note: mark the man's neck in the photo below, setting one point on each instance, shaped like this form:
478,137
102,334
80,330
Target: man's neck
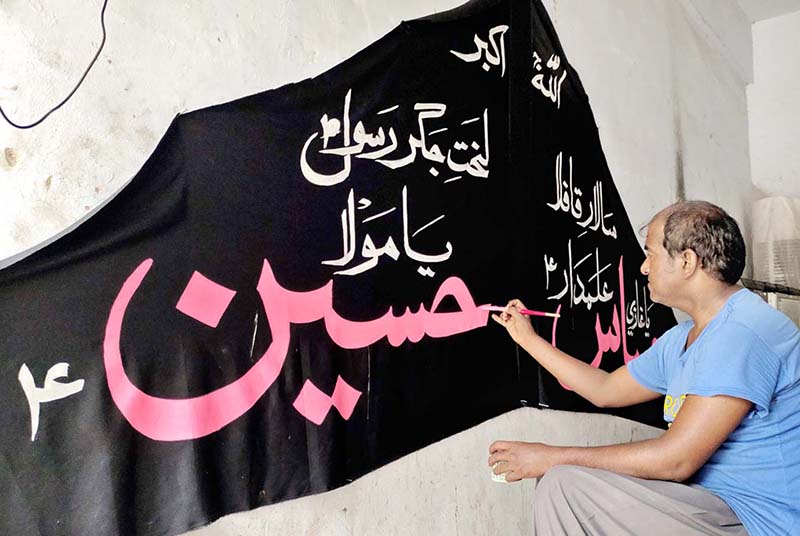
706,301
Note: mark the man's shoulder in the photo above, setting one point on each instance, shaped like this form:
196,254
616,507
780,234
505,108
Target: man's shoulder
748,316
750,310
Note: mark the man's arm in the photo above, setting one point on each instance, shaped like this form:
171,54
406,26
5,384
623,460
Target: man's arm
702,425
602,389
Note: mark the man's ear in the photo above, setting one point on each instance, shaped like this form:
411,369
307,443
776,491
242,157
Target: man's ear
690,262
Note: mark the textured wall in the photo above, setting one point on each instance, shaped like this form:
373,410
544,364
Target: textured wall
667,85
774,106
161,58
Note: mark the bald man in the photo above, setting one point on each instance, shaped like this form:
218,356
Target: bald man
729,463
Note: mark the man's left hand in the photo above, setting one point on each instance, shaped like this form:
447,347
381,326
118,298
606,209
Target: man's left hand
518,459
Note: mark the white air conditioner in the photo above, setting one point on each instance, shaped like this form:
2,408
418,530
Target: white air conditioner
777,261
776,241
776,253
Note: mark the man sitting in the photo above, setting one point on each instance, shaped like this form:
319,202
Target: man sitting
730,459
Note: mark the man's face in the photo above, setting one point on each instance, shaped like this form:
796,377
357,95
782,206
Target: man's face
662,271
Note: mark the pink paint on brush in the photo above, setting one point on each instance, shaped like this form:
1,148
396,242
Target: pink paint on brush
529,312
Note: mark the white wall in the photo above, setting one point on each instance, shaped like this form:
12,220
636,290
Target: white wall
666,80
161,58
774,106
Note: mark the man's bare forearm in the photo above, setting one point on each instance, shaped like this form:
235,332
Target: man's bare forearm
581,377
700,428
649,459
601,388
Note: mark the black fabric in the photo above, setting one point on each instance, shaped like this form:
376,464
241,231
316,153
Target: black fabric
225,190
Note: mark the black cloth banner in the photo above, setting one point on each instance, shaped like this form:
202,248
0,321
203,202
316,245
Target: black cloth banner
285,297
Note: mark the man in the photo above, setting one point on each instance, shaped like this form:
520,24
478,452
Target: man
730,461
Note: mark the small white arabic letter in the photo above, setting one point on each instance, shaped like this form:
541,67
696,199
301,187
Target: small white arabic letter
51,390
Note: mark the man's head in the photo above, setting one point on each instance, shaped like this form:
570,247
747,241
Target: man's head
690,236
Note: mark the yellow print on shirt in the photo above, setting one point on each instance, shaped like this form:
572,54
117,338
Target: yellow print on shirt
672,405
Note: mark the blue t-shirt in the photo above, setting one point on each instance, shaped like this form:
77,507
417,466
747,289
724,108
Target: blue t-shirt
749,350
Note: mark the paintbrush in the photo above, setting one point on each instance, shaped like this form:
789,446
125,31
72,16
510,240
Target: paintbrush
529,312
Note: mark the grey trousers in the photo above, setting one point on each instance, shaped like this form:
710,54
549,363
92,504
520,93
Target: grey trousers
577,500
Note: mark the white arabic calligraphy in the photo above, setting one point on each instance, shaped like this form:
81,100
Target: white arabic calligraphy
549,266
493,51
566,194
575,286
372,253
49,391
381,144
568,200
596,217
637,314
552,90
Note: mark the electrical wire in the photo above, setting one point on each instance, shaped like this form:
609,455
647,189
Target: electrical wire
71,93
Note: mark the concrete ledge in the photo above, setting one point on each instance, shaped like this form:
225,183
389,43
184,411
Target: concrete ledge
444,489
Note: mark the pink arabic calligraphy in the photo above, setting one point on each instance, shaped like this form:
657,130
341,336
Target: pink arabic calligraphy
167,419
615,336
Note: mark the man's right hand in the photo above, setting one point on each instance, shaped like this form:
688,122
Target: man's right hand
518,325
603,389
